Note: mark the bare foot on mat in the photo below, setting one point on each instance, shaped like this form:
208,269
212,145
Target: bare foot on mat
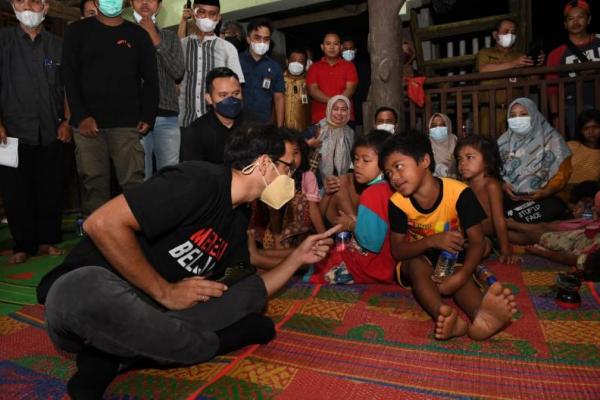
449,324
49,250
18,258
497,308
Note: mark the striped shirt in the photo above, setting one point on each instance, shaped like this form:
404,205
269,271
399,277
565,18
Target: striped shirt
201,56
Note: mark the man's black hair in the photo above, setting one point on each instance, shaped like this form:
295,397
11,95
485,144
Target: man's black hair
296,50
331,33
582,119
247,144
414,145
219,72
499,23
385,108
259,23
373,139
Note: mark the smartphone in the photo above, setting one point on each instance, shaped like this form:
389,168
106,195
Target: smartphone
188,5
234,274
534,52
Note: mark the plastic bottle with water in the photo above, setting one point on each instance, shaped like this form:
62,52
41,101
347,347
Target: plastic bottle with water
447,260
484,276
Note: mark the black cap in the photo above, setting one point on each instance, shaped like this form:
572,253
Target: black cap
208,2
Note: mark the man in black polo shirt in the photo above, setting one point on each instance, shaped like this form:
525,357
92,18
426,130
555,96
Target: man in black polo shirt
111,81
142,284
205,138
32,111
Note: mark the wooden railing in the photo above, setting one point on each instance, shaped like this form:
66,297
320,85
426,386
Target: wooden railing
463,97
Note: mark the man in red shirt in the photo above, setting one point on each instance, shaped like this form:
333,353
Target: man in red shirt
577,20
329,77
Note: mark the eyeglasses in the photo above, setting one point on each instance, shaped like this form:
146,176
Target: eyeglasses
291,168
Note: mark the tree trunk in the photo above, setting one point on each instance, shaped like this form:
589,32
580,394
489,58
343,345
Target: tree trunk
385,49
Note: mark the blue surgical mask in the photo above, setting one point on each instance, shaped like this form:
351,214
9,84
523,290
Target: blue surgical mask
229,107
348,55
520,125
110,8
438,133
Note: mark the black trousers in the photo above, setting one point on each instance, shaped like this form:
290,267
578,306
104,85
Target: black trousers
33,196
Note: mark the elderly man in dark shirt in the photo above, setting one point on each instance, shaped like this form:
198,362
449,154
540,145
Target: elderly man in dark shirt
32,110
205,138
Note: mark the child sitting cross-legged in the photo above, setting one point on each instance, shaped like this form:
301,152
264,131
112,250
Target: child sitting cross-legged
367,257
420,203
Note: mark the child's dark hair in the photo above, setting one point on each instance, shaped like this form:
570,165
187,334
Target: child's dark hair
247,144
295,137
373,140
584,189
582,119
488,149
385,108
415,145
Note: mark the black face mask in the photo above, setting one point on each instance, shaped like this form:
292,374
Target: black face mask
229,107
237,43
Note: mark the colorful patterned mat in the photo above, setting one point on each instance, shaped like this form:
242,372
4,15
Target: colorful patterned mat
356,342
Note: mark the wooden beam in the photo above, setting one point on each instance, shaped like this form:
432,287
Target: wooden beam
325,15
461,27
57,10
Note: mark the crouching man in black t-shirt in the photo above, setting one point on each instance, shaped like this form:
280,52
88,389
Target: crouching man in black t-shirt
139,286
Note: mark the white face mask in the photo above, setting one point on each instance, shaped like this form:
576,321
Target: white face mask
438,133
206,25
30,19
391,128
507,40
348,55
520,125
295,68
259,48
138,17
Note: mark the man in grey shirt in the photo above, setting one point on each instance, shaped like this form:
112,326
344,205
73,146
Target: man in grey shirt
32,110
163,141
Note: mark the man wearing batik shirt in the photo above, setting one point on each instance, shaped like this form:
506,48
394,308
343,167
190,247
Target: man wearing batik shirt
202,52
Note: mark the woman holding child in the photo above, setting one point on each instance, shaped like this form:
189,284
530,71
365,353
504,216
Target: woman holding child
537,165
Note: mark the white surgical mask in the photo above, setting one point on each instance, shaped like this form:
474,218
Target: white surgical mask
507,40
348,55
295,68
30,19
391,128
438,133
138,17
520,125
259,48
206,25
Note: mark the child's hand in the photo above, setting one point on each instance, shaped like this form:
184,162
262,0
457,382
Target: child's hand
451,241
345,220
332,184
450,285
314,143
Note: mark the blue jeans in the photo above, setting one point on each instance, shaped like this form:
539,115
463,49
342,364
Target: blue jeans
163,141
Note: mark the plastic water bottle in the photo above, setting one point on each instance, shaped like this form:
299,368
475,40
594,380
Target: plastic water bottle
447,260
79,226
444,266
485,276
588,212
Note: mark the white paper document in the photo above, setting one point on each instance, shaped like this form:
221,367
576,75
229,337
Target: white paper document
9,152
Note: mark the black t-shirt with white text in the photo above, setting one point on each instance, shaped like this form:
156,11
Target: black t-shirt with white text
188,225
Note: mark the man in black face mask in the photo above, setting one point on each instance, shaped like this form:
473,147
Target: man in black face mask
205,138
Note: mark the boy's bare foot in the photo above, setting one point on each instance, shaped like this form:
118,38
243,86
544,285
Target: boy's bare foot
449,324
18,258
49,250
496,310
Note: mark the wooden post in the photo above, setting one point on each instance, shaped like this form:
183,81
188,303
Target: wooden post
385,48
